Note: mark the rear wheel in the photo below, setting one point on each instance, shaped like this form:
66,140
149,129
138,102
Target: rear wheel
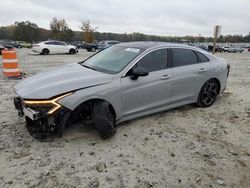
208,93
45,51
104,119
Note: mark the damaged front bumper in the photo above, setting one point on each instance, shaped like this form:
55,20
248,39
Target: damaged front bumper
26,111
39,123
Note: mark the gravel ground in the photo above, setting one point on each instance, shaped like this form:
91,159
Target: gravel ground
183,147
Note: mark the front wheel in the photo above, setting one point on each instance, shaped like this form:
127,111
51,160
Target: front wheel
45,51
72,51
104,119
208,93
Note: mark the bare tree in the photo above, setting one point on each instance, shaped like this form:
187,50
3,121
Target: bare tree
88,30
60,29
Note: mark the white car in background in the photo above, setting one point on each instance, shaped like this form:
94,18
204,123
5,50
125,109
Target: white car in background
53,47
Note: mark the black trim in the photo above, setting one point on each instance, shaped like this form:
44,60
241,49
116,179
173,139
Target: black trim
171,63
198,59
169,58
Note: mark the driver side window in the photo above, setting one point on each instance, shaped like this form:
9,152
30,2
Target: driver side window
154,61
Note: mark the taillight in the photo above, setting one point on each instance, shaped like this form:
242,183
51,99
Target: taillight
35,45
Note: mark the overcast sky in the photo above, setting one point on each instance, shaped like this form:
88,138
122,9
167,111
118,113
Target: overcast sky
158,17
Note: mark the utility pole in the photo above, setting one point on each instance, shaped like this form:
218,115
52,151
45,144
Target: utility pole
217,32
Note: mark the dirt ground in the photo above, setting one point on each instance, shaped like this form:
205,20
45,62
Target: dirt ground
184,147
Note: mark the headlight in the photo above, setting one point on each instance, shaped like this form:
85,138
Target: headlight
49,106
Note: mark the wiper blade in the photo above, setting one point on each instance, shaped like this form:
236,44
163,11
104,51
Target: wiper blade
88,67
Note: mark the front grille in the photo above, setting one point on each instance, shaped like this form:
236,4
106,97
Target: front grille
42,108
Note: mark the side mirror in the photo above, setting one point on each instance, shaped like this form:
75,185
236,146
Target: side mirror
137,72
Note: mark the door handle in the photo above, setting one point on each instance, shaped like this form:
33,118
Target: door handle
202,70
164,77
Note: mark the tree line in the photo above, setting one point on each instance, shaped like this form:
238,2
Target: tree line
59,30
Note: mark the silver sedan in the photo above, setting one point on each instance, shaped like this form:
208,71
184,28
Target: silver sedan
123,82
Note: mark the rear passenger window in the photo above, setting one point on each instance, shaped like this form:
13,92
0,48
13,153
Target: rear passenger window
60,43
201,57
50,43
184,57
154,61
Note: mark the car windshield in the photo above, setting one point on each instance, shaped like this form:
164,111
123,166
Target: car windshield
112,60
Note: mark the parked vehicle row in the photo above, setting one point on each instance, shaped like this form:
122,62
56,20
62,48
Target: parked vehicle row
10,43
123,82
92,47
5,47
25,44
233,49
16,44
106,44
220,49
62,47
54,46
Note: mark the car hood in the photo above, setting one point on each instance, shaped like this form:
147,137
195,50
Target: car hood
60,80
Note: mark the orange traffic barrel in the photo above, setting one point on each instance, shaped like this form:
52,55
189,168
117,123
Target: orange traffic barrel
10,63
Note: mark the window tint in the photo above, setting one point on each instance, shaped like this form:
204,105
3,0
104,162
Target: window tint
183,57
154,61
112,43
50,43
201,57
61,43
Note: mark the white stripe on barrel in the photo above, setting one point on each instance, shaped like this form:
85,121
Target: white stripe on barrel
11,70
11,51
9,60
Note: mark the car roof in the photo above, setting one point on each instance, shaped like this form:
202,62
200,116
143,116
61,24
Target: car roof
152,44
109,41
53,41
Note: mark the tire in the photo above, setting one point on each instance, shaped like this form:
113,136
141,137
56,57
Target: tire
45,51
208,93
72,51
104,119
93,49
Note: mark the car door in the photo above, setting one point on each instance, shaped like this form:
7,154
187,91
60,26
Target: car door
58,47
51,46
63,48
190,70
149,92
